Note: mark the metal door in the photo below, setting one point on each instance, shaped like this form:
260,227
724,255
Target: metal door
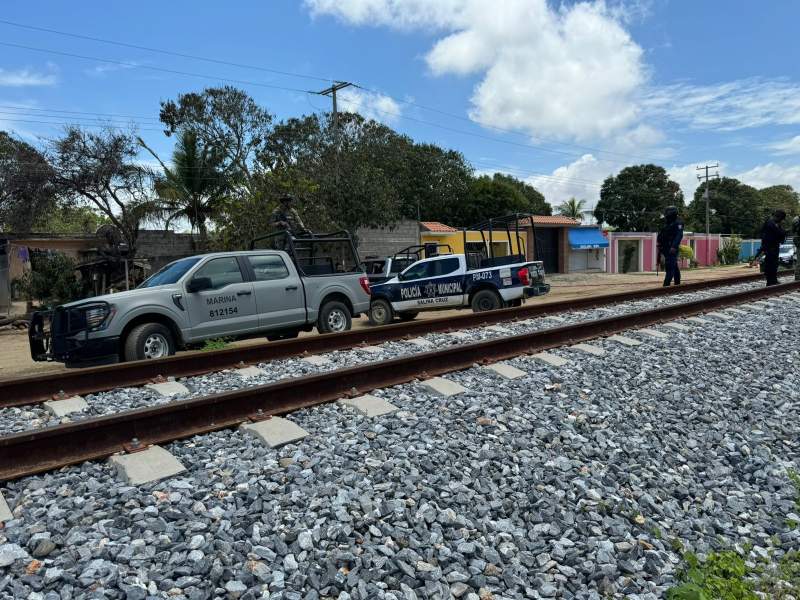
546,241
229,307
278,292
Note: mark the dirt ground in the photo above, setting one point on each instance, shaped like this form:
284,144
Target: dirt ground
15,357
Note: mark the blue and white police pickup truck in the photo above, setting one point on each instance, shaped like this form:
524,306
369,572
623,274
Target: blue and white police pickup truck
448,281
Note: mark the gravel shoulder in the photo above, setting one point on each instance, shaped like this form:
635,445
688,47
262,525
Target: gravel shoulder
571,482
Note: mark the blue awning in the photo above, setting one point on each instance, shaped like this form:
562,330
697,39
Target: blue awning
586,238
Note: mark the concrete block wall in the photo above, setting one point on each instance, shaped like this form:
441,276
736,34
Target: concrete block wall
162,247
384,241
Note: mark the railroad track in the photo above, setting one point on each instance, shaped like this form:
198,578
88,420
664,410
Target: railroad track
50,448
38,388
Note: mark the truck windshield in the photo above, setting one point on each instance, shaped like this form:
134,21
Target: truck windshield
171,273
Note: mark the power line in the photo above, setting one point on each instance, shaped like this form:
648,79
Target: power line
162,51
152,68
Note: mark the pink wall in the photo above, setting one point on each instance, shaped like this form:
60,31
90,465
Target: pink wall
648,257
700,246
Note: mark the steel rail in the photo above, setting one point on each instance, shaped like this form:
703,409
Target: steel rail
49,448
37,388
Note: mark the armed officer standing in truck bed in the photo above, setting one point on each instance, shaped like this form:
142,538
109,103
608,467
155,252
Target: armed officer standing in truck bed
285,217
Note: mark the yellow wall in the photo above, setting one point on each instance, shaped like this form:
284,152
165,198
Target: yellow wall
456,240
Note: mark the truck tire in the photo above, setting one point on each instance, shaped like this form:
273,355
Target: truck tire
148,341
380,312
485,300
407,316
334,317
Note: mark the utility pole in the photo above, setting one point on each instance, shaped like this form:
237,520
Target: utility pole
707,195
331,91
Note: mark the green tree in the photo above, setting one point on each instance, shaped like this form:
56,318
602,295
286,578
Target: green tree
780,196
572,208
735,208
193,187
534,199
229,125
26,188
489,197
636,197
67,218
102,169
51,280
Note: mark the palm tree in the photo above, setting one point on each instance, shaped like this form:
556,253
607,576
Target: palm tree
572,208
194,187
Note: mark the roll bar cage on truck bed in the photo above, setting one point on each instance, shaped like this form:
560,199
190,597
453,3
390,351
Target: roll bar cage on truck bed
314,253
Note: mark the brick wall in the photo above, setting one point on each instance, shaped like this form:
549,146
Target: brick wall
384,241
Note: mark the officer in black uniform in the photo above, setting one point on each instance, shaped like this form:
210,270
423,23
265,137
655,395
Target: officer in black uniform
669,240
796,240
772,236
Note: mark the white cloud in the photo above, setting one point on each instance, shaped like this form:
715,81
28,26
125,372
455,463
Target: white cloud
369,105
762,176
730,106
569,72
26,78
580,179
790,146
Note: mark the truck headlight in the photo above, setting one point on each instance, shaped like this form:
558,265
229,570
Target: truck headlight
98,317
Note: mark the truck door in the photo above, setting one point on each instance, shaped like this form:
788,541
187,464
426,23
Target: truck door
224,304
279,291
431,283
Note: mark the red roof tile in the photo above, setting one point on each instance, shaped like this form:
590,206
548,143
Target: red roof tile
436,227
550,220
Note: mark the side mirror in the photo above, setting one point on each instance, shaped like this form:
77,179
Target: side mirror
198,284
401,277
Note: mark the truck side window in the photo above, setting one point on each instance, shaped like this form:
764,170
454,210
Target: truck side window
221,271
419,271
446,266
268,267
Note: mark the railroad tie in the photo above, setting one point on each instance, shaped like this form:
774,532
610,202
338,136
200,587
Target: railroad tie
275,431
146,466
589,349
317,360
5,512
550,359
506,371
443,387
370,406
625,341
62,408
249,372
168,388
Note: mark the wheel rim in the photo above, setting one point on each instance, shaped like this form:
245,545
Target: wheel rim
485,304
156,346
379,313
336,320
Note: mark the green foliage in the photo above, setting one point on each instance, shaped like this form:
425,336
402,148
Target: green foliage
636,197
735,208
492,197
52,280
794,477
194,187
572,208
780,196
721,576
69,219
728,254
215,344
685,252
26,188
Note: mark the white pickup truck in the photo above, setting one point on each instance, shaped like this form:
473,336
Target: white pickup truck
316,282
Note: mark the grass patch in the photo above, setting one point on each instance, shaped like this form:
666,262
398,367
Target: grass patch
215,344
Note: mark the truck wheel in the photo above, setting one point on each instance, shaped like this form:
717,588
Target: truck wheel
380,312
334,317
515,303
149,340
486,300
407,316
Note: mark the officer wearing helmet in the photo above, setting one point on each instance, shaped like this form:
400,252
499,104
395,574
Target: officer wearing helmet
669,240
285,217
772,236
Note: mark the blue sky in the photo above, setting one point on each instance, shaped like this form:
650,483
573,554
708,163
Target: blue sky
559,94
